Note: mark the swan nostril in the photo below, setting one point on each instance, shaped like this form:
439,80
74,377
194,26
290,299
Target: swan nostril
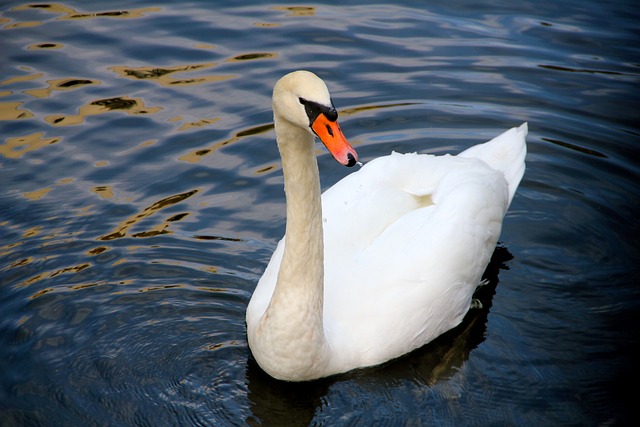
329,130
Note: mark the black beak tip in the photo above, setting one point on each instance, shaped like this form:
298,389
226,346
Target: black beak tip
351,160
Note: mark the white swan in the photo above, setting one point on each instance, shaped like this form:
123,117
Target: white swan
406,240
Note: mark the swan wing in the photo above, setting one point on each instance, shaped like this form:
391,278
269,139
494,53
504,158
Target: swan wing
407,239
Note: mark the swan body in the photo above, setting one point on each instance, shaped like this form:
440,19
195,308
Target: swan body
384,261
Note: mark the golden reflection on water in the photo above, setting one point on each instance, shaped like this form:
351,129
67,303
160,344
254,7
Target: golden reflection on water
98,250
160,287
83,286
101,106
53,238
73,269
60,85
104,191
38,46
204,46
22,24
162,75
196,156
37,194
296,10
12,111
252,56
140,146
52,274
356,110
69,13
199,123
18,146
40,293
123,228
21,262
21,79
266,24
33,84
33,231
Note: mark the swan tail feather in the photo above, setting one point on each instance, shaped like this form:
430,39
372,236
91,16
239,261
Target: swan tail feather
504,153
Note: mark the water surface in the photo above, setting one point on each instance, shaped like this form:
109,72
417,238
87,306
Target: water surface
141,198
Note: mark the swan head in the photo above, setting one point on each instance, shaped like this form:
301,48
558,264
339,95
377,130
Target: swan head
302,99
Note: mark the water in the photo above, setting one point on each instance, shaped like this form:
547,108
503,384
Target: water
141,197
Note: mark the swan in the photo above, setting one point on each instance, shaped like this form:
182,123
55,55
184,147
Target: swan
385,260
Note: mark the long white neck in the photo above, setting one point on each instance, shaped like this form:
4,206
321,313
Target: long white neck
302,264
293,321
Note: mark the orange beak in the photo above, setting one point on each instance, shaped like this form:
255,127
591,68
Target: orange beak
332,137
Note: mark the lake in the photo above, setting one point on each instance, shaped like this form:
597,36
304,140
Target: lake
141,198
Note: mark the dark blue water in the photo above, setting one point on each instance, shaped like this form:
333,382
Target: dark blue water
141,197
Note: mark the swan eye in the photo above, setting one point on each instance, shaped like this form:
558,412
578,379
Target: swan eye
314,109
